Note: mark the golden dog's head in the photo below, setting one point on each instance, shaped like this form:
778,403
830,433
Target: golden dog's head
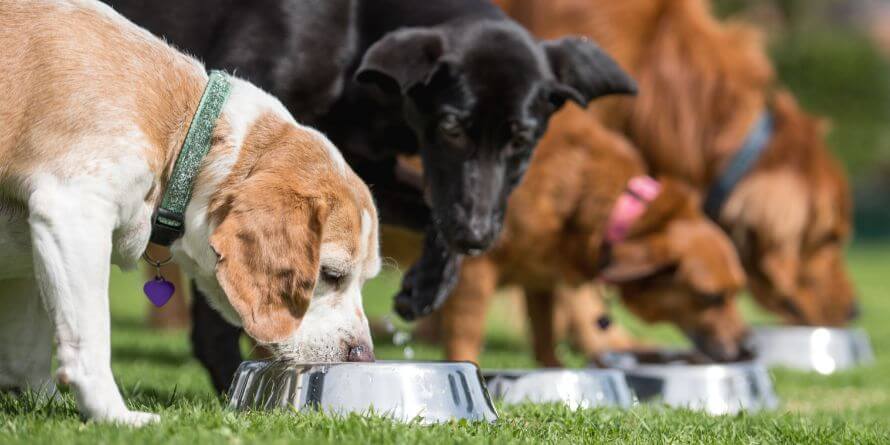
792,219
677,266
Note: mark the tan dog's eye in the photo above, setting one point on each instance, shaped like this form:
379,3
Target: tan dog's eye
332,277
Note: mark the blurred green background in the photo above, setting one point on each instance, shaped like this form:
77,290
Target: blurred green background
835,56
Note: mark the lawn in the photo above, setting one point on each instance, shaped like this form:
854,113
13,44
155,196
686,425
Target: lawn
157,373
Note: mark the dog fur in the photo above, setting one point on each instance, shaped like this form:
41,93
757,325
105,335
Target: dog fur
280,233
703,83
675,265
455,81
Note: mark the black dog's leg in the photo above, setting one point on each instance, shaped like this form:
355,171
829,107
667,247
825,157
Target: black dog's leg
214,342
430,280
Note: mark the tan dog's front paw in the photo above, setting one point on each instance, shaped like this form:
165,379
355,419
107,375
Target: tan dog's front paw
132,418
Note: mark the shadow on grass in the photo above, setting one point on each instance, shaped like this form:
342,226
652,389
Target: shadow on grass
135,325
15,403
140,353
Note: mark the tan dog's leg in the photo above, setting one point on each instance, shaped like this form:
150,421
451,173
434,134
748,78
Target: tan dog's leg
26,339
540,313
174,314
463,315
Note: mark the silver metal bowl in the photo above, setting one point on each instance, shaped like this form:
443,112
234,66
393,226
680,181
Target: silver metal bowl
714,388
427,392
577,388
819,349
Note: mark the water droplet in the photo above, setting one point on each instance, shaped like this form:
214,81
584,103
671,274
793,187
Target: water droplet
388,324
401,337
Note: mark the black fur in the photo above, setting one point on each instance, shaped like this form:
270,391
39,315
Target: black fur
454,81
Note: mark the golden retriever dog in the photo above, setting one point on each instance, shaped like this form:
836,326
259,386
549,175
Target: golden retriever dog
705,88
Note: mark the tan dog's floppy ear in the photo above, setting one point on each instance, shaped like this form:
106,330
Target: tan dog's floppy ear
632,260
584,71
269,262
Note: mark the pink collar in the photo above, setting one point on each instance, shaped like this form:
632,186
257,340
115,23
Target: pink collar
640,192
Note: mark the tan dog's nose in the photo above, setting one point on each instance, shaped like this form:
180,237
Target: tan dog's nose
360,353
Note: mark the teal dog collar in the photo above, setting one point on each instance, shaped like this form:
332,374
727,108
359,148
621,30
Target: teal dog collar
168,223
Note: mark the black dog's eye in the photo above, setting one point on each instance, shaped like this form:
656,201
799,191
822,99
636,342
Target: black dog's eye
450,126
332,277
521,137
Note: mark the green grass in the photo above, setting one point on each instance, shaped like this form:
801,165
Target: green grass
156,372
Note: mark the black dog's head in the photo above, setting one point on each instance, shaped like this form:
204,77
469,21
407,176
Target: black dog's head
479,95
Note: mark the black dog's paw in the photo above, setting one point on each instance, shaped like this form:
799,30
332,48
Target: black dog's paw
429,282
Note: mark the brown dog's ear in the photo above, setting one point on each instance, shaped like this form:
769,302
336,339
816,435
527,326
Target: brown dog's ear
269,262
632,260
402,60
584,71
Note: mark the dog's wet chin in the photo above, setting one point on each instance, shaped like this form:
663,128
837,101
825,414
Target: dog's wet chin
303,352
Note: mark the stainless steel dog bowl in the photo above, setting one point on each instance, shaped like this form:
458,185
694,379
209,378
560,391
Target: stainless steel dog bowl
819,349
428,392
577,388
714,388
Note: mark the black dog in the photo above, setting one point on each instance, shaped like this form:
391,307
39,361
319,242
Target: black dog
454,81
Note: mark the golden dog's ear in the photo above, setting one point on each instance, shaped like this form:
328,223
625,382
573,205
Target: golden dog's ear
635,259
781,265
269,248
650,245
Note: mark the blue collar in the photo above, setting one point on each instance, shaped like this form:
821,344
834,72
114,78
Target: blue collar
742,163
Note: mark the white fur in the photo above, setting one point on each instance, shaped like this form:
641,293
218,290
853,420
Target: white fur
271,103
333,153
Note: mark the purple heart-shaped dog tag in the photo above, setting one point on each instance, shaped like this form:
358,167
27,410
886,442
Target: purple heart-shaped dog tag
159,291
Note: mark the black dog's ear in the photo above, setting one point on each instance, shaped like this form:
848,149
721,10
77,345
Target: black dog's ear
402,60
584,71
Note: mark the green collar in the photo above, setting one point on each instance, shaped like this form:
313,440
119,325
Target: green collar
168,223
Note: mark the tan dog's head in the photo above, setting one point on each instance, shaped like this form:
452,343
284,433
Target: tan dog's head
290,237
678,266
793,244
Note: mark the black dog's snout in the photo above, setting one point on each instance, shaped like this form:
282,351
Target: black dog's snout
360,353
476,236
429,282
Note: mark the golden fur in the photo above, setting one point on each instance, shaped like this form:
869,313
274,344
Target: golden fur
702,85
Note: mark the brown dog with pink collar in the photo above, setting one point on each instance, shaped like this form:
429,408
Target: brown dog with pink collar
587,211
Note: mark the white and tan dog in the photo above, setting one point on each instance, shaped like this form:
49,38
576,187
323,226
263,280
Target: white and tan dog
280,233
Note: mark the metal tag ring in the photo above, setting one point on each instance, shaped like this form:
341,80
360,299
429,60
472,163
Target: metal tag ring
155,262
